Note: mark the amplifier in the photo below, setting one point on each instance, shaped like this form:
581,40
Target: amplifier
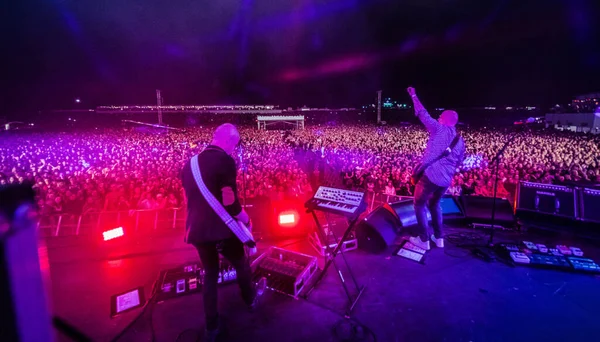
548,199
286,272
590,204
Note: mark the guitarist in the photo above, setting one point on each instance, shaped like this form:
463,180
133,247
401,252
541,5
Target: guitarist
207,232
444,153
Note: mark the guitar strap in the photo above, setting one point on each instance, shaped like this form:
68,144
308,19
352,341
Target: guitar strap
236,228
444,154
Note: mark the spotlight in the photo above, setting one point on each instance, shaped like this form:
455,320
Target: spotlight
288,219
113,234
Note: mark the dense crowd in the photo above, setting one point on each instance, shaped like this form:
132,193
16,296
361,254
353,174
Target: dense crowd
382,159
123,169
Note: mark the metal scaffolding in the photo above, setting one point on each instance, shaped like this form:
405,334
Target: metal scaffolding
297,121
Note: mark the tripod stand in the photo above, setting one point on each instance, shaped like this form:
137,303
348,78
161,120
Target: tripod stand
331,256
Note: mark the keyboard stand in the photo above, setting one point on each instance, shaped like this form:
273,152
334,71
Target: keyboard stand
331,255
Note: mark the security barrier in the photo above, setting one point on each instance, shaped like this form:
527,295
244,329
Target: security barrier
96,222
143,220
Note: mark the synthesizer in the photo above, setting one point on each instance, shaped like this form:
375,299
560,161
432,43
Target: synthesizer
338,201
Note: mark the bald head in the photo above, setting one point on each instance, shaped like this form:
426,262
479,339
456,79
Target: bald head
226,137
448,118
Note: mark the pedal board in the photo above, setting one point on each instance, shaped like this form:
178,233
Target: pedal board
584,264
549,260
410,251
188,279
519,258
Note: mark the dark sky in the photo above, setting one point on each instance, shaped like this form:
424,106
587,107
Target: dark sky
296,52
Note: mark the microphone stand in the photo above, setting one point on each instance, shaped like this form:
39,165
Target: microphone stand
497,160
243,165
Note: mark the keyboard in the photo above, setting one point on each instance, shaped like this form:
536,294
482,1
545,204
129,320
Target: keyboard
337,201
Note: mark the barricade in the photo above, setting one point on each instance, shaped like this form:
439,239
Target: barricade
95,222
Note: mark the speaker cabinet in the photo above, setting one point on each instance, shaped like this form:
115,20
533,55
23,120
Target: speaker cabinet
590,205
405,211
548,199
378,230
479,209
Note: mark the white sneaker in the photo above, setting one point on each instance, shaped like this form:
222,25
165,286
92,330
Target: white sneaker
438,242
415,240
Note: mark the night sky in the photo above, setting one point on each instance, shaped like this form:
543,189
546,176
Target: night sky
299,52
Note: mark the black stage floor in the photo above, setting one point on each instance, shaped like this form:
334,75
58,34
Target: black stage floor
452,297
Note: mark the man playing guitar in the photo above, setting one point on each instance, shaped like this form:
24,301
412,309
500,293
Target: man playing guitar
205,229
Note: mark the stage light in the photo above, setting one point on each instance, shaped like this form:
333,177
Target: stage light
113,233
288,219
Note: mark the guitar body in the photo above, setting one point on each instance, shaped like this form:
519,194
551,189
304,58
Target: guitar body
239,229
417,174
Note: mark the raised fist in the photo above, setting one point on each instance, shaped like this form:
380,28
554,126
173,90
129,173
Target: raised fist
411,91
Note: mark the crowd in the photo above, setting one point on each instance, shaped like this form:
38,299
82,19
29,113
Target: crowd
123,169
382,159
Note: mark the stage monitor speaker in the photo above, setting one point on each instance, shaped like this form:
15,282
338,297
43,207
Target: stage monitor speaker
378,230
479,209
405,211
590,205
451,208
555,200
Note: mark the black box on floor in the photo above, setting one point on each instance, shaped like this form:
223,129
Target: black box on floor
478,209
590,205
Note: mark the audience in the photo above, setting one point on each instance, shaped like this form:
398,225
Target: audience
124,169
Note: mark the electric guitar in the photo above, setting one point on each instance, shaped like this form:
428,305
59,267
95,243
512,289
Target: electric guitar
246,232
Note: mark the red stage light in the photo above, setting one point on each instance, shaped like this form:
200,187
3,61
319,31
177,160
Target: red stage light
113,233
287,219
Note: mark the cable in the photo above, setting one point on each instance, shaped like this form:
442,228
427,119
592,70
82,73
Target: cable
357,332
465,239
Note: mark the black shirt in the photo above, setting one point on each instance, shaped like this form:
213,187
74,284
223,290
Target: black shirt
218,171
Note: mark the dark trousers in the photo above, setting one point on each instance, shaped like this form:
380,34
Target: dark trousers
428,194
233,250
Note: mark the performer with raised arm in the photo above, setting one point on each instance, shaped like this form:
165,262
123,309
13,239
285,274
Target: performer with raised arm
443,155
205,228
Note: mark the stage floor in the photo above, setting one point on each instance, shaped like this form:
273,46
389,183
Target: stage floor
452,297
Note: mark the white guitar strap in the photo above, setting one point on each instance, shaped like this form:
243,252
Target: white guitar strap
236,227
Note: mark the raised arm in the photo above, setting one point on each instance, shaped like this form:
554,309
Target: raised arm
430,123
